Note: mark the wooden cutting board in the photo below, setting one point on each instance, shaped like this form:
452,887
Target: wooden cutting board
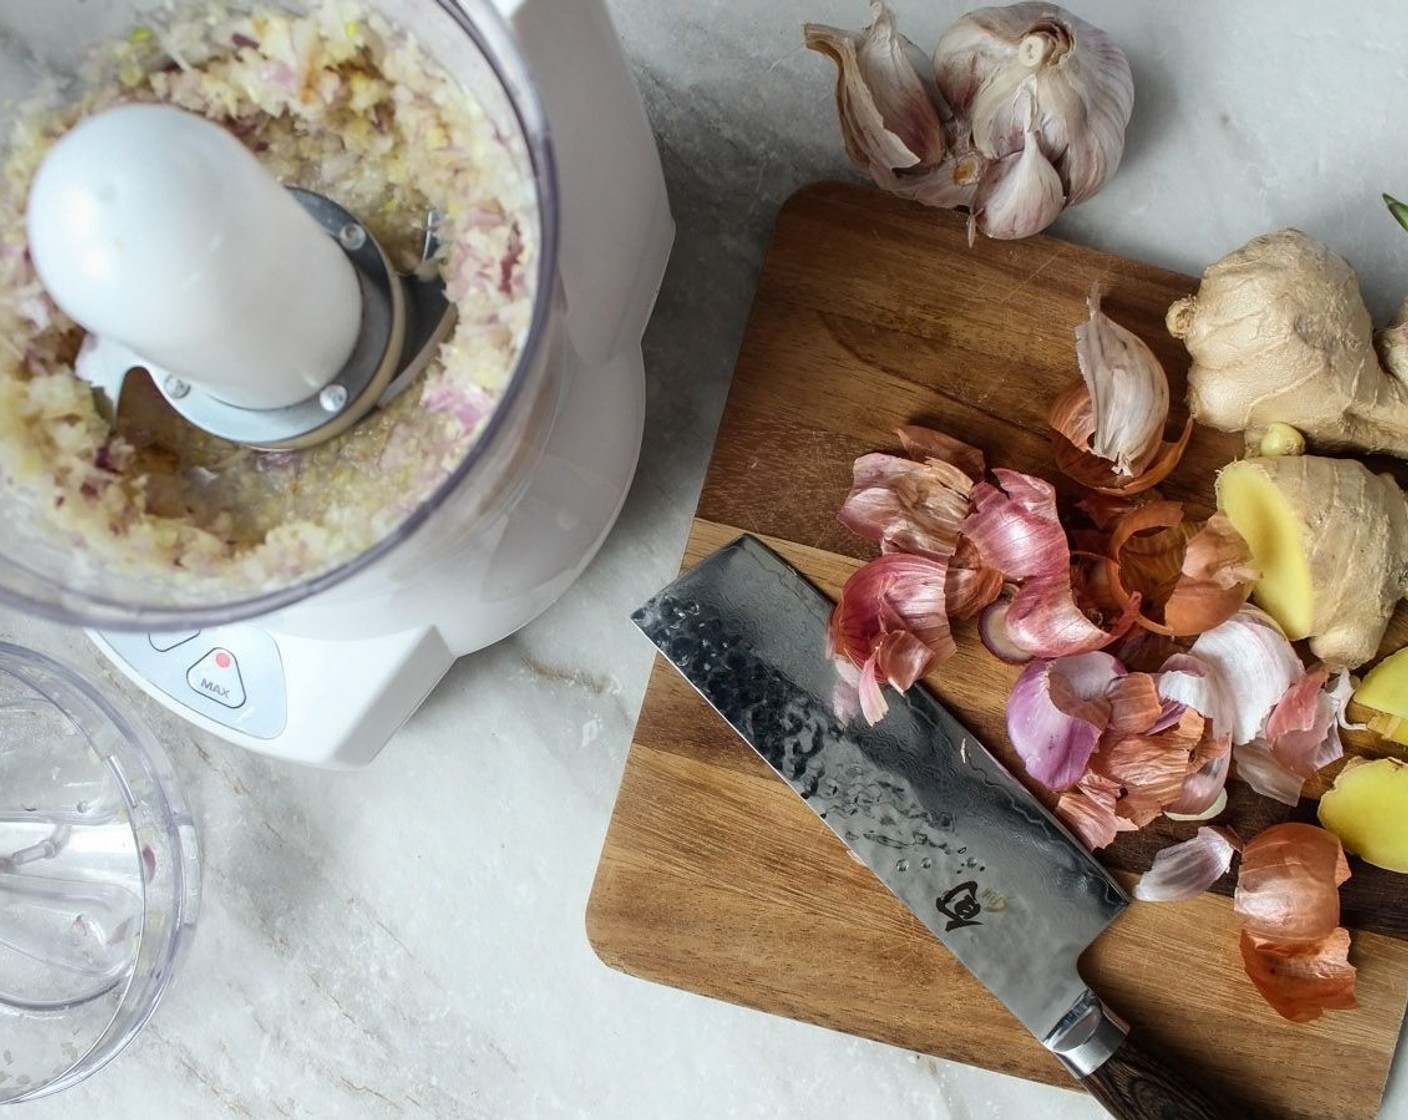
872,313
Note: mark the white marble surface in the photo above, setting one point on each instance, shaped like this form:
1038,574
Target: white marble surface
409,941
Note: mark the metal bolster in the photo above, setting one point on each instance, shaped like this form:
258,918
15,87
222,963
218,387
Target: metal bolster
1086,1036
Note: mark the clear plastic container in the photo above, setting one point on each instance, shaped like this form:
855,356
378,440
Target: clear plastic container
99,876
43,572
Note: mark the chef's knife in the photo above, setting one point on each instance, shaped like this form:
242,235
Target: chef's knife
921,802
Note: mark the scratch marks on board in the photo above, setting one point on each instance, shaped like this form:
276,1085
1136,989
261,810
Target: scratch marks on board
1025,283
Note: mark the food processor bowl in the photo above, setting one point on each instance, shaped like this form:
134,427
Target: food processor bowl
99,876
322,664
48,569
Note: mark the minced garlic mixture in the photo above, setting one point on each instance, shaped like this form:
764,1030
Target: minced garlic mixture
340,103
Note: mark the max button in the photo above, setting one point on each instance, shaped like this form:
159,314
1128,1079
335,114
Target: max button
217,677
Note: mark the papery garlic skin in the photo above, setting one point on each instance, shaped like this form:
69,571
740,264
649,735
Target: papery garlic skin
889,123
1186,870
1254,664
1056,713
992,60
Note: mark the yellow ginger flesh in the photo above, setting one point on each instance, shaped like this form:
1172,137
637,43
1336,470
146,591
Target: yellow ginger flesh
1273,530
1330,539
1385,690
1368,810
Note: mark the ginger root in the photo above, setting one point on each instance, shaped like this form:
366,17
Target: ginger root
1385,691
1367,808
1282,439
1278,332
1330,539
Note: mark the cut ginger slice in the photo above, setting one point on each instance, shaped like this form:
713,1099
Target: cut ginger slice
1385,689
1275,533
1367,808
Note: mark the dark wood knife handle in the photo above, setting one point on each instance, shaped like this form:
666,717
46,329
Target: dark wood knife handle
1133,1085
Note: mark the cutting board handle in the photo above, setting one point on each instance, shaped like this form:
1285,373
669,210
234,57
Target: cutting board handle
1134,1085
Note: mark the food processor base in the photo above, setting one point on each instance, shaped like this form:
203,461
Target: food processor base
322,703
335,700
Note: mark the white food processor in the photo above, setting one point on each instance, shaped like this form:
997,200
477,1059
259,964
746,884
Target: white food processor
271,318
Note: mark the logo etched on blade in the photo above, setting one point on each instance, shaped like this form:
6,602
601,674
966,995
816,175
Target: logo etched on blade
960,906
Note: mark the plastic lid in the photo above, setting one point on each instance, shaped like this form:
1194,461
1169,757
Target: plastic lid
99,876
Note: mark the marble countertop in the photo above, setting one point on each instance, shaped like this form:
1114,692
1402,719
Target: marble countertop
408,941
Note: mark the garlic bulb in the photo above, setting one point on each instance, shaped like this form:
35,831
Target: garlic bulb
1077,77
1032,103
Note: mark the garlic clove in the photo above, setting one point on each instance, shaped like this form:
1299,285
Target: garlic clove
1020,194
973,51
999,117
985,60
1094,150
889,123
1128,389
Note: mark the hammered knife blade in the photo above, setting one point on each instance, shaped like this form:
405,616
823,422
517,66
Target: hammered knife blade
962,844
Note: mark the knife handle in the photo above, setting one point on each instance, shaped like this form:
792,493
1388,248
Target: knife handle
1134,1085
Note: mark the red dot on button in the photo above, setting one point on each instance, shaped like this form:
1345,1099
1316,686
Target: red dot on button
222,659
